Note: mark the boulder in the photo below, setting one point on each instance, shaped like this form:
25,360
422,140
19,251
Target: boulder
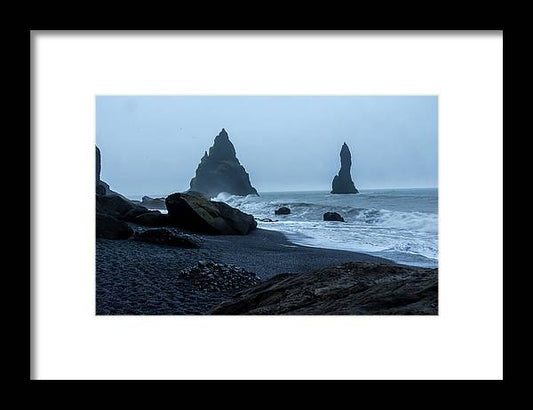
117,206
153,218
111,228
220,171
133,213
163,236
282,211
333,216
342,183
196,212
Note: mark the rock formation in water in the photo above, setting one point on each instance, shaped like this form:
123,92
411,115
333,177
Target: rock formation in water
333,216
342,183
220,171
282,211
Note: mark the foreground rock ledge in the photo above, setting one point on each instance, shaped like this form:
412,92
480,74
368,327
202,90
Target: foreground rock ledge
358,288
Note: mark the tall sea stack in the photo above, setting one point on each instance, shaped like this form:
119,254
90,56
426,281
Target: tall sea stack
220,171
342,183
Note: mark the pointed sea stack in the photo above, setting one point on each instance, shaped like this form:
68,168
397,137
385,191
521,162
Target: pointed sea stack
220,171
342,183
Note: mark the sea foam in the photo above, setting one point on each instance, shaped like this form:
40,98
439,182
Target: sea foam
401,225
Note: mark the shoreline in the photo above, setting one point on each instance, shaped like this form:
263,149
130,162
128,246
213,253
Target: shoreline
138,278
267,242
385,226
321,246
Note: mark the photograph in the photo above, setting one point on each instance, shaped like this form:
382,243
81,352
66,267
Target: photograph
266,205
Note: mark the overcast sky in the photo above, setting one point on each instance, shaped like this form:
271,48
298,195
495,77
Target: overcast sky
152,145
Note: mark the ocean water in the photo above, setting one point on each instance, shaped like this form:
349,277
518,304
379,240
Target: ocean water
397,224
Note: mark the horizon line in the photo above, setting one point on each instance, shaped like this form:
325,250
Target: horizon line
304,190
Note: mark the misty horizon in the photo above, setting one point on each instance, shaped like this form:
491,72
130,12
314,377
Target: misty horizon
134,195
153,145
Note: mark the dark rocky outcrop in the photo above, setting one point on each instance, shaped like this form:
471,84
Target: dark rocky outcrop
357,288
196,212
101,187
111,228
220,171
282,211
111,207
118,207
98,165
342,182
123,209
153,203
333,216
152,218
133,213
216,277
164,236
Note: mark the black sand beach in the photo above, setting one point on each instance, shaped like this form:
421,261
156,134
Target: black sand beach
138,278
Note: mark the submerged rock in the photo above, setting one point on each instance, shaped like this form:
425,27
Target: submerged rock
357,288
333,216
211,276
111,228
196,212
282,211
163,236
220,171
342,182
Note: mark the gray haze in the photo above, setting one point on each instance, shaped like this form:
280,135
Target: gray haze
152,145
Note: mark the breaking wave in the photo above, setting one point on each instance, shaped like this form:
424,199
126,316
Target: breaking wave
398,225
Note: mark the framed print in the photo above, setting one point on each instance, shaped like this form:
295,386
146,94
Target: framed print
314,201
